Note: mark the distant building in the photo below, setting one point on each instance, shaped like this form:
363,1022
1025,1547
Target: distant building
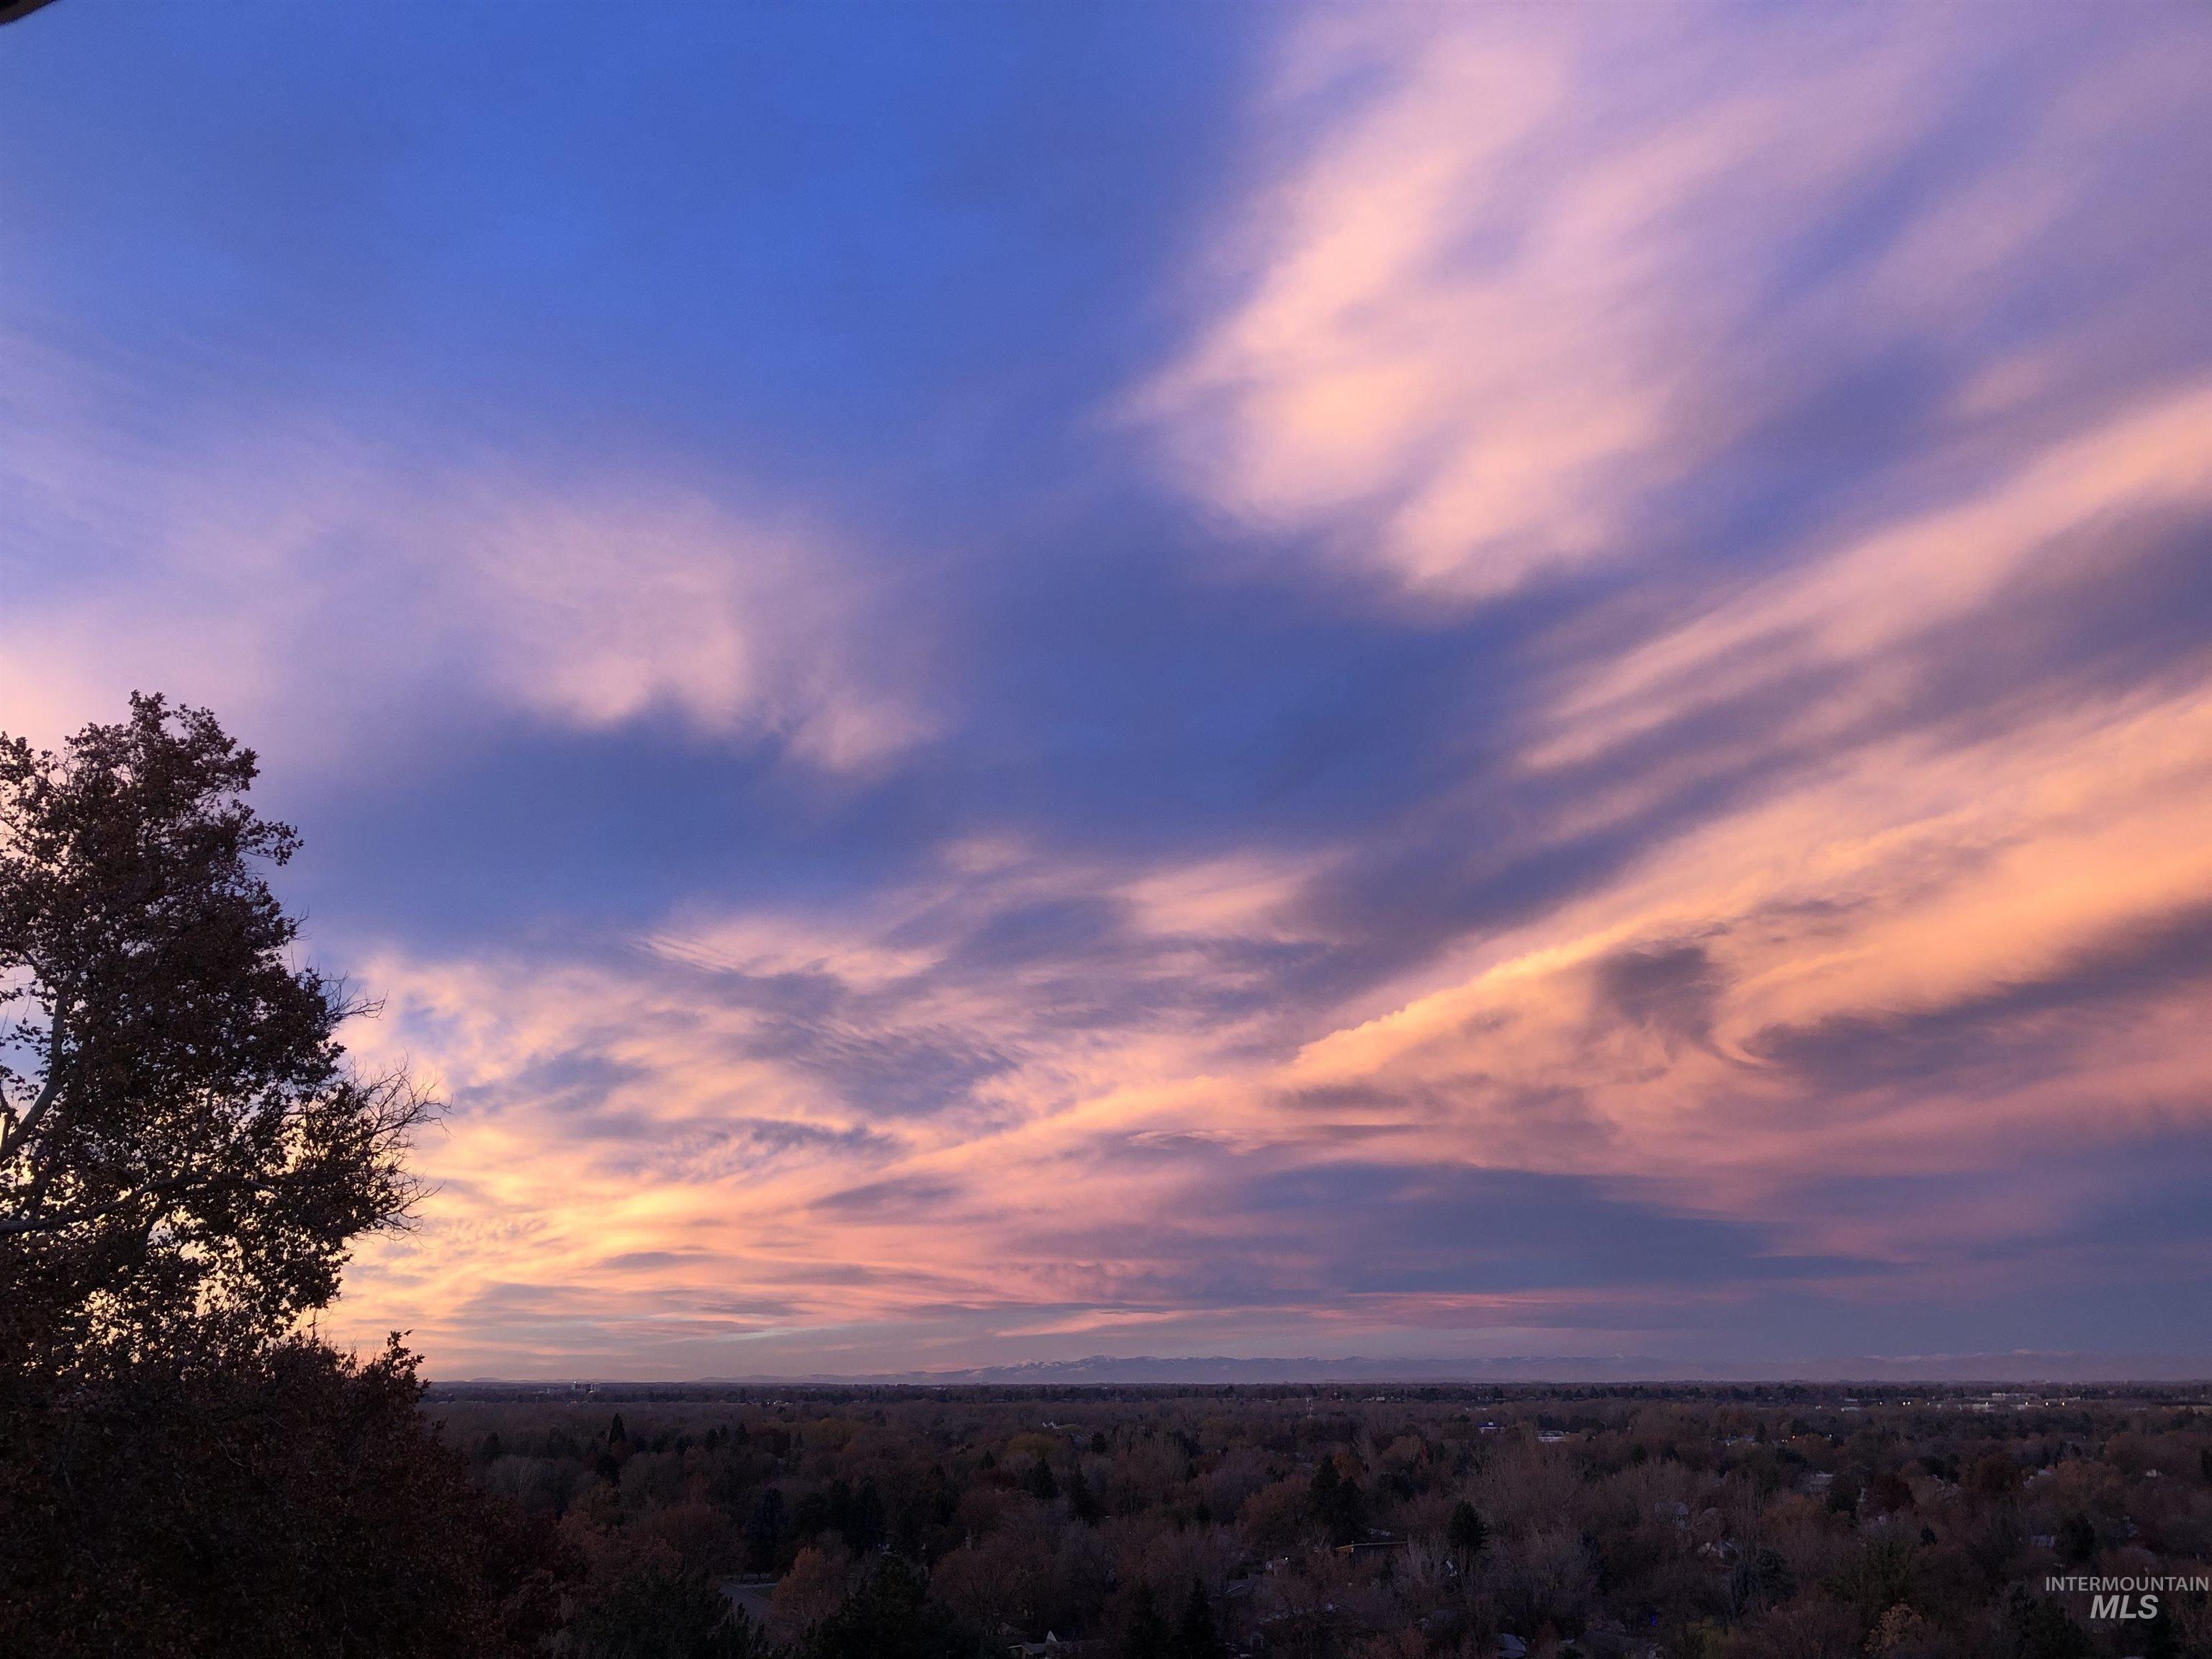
1371,1546
1053,1648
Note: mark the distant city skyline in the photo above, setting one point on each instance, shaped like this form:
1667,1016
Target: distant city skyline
986,686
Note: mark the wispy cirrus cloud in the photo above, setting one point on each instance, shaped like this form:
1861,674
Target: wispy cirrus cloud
1522,292
827,1109
1688,1072
311,580
1622,770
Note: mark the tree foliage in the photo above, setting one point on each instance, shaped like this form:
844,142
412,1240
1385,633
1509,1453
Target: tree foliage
1196,1635
185,1158
664,1613
1467,1533
288,1502
891,1616
185,1154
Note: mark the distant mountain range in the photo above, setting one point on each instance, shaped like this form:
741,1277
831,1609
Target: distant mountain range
1111,1370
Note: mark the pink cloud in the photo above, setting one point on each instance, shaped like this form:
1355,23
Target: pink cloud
308,580
1509,276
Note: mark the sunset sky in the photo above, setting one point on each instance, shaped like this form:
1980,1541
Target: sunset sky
990,684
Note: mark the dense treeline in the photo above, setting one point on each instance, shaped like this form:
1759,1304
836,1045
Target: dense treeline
1690,1525
257,1506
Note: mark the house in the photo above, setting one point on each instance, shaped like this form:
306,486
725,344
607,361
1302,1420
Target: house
1370,1546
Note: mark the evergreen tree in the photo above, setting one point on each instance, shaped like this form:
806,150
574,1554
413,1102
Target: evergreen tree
864,1525
1082,1501
1467,1532
1144,1633
2041,1630
2162,1640
668,1614
891,1617
765,1530
1195,1635
2077,1538
1039,1483
1337,1503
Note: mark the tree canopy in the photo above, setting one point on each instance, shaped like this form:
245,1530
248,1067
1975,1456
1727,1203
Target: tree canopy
184,1153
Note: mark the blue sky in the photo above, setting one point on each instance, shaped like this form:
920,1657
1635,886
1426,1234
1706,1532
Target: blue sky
990,683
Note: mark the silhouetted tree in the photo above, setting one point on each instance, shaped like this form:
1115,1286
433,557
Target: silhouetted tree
185,1155
288,1502
1337,1503
2041,1630
185,1158
2077,1538
1467,1533
1144,1633
765,1530
891,1616
1082,1501
1039,1482
863,1524
1195,1635
663,1613
1761,1579
2162,1639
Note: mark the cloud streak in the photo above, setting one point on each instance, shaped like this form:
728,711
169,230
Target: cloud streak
1521,294
1595,739
240,558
